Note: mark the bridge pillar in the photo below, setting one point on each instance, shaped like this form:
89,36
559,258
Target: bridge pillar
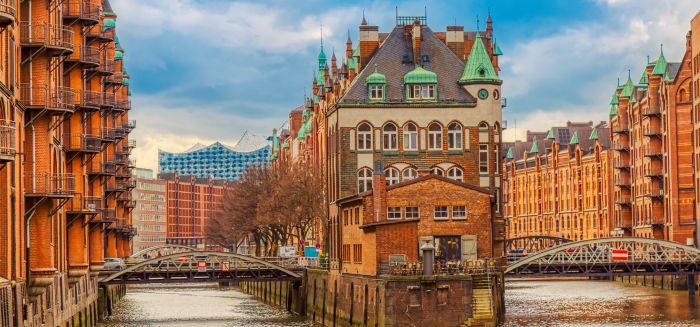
691,284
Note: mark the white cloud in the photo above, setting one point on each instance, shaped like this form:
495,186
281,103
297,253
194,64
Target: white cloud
242,25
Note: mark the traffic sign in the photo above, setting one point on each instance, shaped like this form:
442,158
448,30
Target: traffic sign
182,258
225,265
201,266
301,242
619,255
318,245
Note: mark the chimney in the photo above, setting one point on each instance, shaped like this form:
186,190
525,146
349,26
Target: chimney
416,35
379,191
423,172
455,39
369,41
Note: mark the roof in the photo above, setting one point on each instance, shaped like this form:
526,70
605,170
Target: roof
628,89
510,154
107,7
419,75
660,67
479,66
389,58
550,136
534,145
644,79
298,109
594,135
614,100
613,110
376,78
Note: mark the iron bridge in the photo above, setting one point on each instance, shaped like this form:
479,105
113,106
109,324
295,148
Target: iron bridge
594,257
219,267
533,244
164,250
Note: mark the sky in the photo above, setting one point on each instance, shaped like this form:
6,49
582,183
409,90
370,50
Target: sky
208,70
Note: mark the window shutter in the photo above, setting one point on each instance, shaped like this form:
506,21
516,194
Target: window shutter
469,247
352,140
421,241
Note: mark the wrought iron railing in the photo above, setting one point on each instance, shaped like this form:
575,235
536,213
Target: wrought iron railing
82,203
121,158
622,223
81,142
8,144
49,183
51,35
623,199
123,104
131,144
8,7
652,130
653,151
85,53
131,124
100,31
88,98
101,167
623,128
621,181
108,214
621,146
108,133
108,99
79,8
44,95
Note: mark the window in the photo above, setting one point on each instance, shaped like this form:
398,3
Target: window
390,136
393,212
357,255
410,137
459,212
441,212
483,159
392,176
412,212
437,171
496,156
454,137
376,92
428,91
357,215
418,92
435,137
364,137
364,180
409,174
455,173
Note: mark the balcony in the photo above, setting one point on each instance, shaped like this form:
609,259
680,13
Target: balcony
623,200
108,215
620,181
119,223
131,204
653,172
88,12
84,204
122,150
88,100
116,78
131,124
8,143
131,144
120,186
121,159
101,32
8,14
652,131
654,193
652,152
124,197
82,143
654,220
131,164
622,128
108,99
49,184
86,55
131,183
623,224
122,104
108,134
651,111
42,96
621,146
124,172
101,168
119,132
621,164
58,39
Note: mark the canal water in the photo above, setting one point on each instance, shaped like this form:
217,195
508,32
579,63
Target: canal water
528,303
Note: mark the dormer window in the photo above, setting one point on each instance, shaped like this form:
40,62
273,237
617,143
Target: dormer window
376,84
376,92
420,84
421,92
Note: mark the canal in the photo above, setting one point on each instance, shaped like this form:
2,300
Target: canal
528,303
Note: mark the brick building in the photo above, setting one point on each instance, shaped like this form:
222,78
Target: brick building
559,183
149,217
652,124
190,203
695,96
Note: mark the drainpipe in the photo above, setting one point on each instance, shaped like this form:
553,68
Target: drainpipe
33,159
28,242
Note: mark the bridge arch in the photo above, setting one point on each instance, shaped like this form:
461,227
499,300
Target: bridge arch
164,249
170,268
533,243
593,257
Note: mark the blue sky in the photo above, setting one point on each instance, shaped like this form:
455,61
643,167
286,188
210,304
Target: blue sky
208,70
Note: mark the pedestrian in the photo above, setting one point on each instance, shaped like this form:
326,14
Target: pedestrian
159,261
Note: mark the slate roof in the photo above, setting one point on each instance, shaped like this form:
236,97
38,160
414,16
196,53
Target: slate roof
106,6
672,69
298,110
389,61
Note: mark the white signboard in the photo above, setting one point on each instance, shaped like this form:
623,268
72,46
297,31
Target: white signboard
288,251
201,266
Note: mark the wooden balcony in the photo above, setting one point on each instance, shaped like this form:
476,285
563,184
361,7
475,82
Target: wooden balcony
56,38
41,96
49,184
87,12
8,143
8,12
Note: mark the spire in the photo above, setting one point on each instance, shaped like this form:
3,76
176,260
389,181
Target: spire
479,66
321,56
550,136
613,111
629,87
510,154
348,41
594,134
364,22
488,20
477,27
333,56
614,100
661,63
645,78
574,139
534,145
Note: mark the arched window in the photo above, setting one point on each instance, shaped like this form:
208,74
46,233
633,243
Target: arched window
392,176
437,171
409,174
364,137
390,137
364,180
434,137
595,221
454,136
410,137
455,173
568,222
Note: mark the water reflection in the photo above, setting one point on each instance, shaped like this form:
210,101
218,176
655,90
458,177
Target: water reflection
196,305
596,303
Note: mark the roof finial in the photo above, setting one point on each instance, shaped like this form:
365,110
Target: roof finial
375,68
629,74
321,36
477,24
662,49
647,60
618,82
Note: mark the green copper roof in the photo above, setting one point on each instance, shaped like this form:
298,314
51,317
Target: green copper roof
633,99
666,77
118,55
109,23
628,89
614,98
479,67
285,145
613,110
302,133
129,92
594,134
376,78
126,81
534,145
644,79
510,154
274,142
116,39
497,50
550,136
574,139
420,75
660,67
